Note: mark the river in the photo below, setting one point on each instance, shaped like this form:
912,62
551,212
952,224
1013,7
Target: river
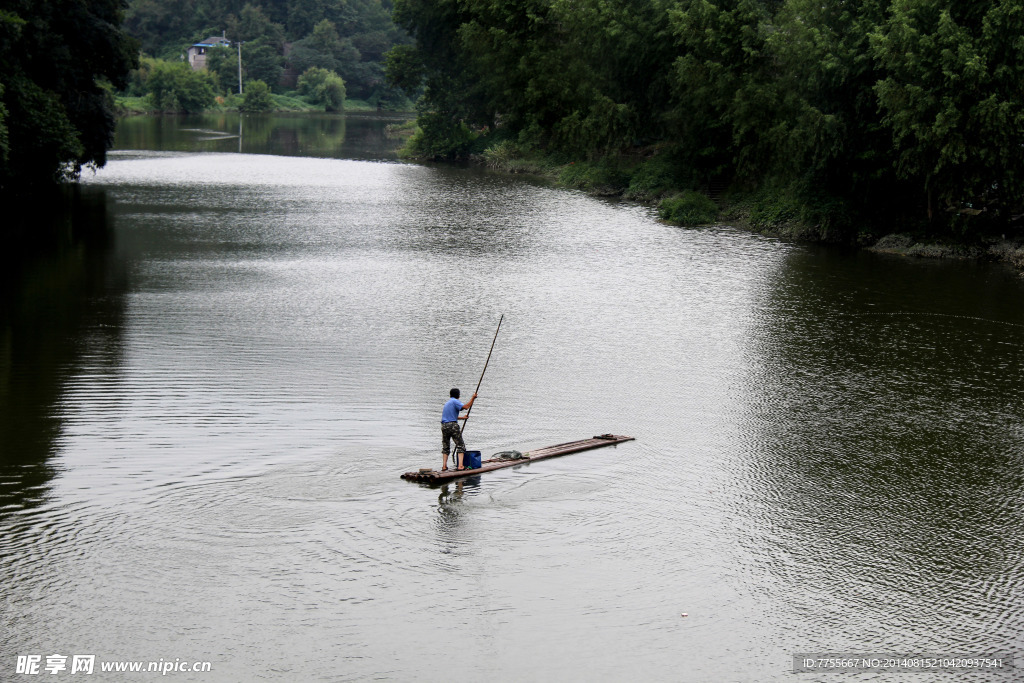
205,407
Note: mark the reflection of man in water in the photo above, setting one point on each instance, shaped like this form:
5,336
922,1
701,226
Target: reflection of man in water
449,497
450,428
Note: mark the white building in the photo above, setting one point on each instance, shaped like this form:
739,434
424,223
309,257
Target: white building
197,53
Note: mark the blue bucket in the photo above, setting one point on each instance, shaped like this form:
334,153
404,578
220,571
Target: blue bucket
471,460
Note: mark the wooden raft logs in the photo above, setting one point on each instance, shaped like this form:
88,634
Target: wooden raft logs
436,476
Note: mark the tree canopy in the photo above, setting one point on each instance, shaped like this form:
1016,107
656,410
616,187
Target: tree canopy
869,111
58,61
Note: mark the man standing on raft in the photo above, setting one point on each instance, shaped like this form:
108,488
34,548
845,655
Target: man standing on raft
450,428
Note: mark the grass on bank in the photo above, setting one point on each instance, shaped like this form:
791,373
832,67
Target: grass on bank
284,102
128,106
653,176
659,176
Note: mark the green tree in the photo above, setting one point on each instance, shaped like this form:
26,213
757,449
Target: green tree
450,91
725,85
321,86
54,56
482,66
257,97
222,64
303,15
175,87
440,138
260,61
161,24
580,76
252,24
843,141
324,49
781,94
405,69
952,99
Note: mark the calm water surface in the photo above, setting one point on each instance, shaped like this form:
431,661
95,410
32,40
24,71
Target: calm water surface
205,408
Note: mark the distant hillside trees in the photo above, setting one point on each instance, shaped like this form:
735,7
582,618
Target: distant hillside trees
324,49
349,37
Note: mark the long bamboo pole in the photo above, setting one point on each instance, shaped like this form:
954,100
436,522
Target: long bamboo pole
462,429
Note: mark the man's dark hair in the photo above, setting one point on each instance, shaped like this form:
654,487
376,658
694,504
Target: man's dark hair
454,393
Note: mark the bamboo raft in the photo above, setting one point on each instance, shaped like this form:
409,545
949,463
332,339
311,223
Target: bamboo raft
432,476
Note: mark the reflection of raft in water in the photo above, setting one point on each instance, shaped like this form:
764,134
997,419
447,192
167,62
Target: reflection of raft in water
438,477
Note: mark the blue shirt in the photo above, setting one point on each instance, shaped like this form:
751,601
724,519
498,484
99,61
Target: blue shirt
451,410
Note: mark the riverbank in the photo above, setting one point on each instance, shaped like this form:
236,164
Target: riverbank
653,178
290,102
1000,250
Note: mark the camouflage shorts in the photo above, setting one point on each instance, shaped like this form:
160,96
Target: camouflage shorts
449,431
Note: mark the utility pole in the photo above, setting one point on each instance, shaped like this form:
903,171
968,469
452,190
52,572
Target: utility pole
239,44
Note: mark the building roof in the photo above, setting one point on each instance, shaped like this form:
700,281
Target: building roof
213,41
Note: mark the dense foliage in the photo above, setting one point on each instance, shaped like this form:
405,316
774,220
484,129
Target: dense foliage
323,87
863,112
59,60
281,39
257,97
173,86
